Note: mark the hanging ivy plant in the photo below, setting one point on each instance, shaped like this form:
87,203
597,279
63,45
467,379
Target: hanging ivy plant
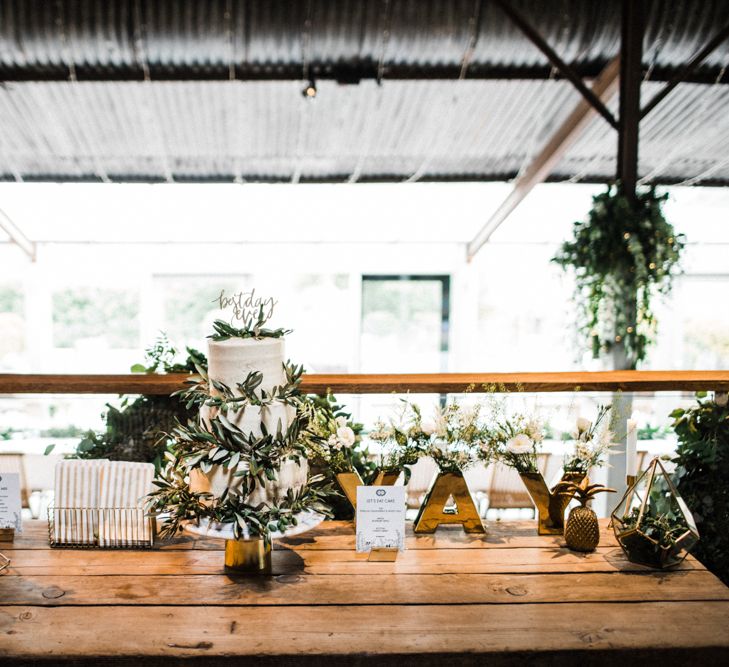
622,255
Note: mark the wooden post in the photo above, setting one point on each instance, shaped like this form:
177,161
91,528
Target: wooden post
631,54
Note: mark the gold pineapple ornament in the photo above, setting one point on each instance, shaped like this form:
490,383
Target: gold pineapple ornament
582,531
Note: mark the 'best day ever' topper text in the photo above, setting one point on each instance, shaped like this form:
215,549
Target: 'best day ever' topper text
246,306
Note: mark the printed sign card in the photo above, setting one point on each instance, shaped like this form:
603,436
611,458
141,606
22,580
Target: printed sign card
380,517
10,501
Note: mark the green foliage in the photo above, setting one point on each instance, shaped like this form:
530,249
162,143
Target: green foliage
649,432
664,529
11,299
69,431
702,477
251,329
138,430
357,457
622,255
160,358
250,458
89,312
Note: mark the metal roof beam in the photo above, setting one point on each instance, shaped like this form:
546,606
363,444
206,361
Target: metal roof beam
536,38
604,87
686,71
344,73
17,237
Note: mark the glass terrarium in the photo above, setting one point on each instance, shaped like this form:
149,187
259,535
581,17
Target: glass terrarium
652,523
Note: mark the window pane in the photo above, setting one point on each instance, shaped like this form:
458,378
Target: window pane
189,306
402,326
12,326
108,318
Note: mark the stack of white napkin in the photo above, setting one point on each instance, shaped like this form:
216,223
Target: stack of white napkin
75,514
100,502
122,488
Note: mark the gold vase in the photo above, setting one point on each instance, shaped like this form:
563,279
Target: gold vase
550,506
349,481
251,556
433,513
386,478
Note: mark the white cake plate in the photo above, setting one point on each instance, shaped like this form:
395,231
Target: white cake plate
224,531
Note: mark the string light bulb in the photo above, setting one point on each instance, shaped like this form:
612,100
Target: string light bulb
309,91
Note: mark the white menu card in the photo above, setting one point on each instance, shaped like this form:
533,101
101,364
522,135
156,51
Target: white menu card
380,517
10,501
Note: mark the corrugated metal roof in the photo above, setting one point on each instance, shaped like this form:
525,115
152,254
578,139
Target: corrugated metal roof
266,131
417,125
185,39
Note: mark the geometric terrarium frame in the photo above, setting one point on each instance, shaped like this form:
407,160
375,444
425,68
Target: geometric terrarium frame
652,523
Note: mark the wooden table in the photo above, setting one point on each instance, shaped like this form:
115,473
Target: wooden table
449,599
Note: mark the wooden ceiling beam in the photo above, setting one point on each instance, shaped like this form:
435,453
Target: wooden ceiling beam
604,87
17,237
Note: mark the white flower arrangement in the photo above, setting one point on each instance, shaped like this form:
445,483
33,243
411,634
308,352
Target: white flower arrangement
459,436
331,439
592,442
514,440
403,439
520,444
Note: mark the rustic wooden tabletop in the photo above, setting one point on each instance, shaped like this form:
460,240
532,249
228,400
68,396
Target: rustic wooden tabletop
449,599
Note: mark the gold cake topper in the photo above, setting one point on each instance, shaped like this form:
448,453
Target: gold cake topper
247,306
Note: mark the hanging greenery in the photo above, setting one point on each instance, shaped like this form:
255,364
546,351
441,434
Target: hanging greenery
702,468
622,255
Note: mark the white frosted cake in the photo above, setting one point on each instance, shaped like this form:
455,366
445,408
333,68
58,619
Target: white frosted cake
230,362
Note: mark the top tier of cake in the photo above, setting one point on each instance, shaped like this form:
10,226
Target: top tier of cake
230,361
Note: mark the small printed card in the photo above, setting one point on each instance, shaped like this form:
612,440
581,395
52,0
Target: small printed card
380,517
10,501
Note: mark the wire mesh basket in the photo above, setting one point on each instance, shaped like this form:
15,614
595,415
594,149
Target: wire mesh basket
100,528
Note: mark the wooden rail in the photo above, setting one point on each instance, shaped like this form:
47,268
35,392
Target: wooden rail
651,381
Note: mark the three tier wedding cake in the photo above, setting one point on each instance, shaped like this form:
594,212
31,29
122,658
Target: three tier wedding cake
240,469
230,363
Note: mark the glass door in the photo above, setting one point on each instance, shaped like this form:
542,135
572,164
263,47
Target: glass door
405,323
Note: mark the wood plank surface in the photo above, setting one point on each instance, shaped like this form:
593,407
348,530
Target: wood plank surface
383,384
334,535
507,597
425,561
371,589
49,632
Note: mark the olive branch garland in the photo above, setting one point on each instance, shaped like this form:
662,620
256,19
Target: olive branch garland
198,393
254,460
251,329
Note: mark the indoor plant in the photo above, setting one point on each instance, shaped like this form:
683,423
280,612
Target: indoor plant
403,439
514,441
652,523
623,254
335,448
592,442
457,437
702,470
137,429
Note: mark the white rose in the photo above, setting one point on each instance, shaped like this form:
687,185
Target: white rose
345,435
341,421
583,424
519,444
428,428
721,398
